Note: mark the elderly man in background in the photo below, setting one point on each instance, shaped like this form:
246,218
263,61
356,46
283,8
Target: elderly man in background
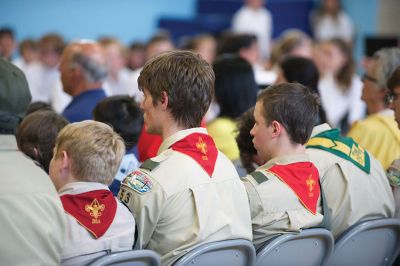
83,69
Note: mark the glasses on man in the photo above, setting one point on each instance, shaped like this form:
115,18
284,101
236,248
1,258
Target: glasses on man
392,96
366,77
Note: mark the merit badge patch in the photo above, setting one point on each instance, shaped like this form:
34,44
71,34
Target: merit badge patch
139,182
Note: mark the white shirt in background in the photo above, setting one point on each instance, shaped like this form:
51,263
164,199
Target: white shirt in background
258,22
327,28
337,104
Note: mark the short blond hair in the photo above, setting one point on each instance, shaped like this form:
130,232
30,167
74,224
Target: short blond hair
94,149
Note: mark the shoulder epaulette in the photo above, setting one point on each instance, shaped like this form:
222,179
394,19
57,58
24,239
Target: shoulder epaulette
149,165
259,177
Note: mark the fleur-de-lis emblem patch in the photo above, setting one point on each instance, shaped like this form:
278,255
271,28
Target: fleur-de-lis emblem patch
357,154
202,146
310,183
95,209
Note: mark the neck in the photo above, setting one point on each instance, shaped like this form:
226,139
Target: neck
64,180
85,87
289,149
168,131
375,107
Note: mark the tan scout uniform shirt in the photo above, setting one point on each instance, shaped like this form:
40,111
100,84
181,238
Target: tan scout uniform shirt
32,222
351,194
118,237
181,206
275,208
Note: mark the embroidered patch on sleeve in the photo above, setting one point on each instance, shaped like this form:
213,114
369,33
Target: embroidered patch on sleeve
138,181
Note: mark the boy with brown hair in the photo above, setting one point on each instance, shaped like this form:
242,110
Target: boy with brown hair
284,193
171,194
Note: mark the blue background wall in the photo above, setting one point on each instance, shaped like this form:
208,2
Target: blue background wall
131,20
127,20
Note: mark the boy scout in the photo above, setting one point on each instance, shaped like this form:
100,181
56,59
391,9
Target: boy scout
284,193
85,160
190,192
353,182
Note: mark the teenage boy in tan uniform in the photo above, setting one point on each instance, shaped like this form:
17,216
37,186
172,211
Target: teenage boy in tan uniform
284,193
190,192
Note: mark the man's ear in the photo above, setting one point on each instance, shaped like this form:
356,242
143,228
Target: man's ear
383,93
276,128
164,100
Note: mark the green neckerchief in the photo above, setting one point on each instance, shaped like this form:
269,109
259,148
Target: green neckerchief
346,148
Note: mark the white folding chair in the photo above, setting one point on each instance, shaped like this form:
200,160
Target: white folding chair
238,252
132,258
374,242
310,247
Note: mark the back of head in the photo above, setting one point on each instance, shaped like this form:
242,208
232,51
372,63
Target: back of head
301,70
123,114
386,61
14,96
294,106
305,72
235,85
37,133
38,106
186,78
94,149
231,43
245,141
90,58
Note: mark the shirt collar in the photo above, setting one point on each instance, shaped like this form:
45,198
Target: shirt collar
320,128
178,136
8,143
285,159
80,187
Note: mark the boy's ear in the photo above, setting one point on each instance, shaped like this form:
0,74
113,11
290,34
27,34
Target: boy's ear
66,161
276,128
164,100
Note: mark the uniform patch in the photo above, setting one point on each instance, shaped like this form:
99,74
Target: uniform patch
139,182
259,177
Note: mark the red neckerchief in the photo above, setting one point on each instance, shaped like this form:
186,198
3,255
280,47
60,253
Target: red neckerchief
95,210
303,179
201,148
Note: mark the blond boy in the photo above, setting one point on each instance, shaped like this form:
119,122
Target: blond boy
86,158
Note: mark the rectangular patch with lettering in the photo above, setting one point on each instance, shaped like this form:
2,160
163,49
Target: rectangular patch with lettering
138,181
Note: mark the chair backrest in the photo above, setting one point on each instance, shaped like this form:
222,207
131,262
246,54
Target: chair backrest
131,257
238,252
310,247
375,242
